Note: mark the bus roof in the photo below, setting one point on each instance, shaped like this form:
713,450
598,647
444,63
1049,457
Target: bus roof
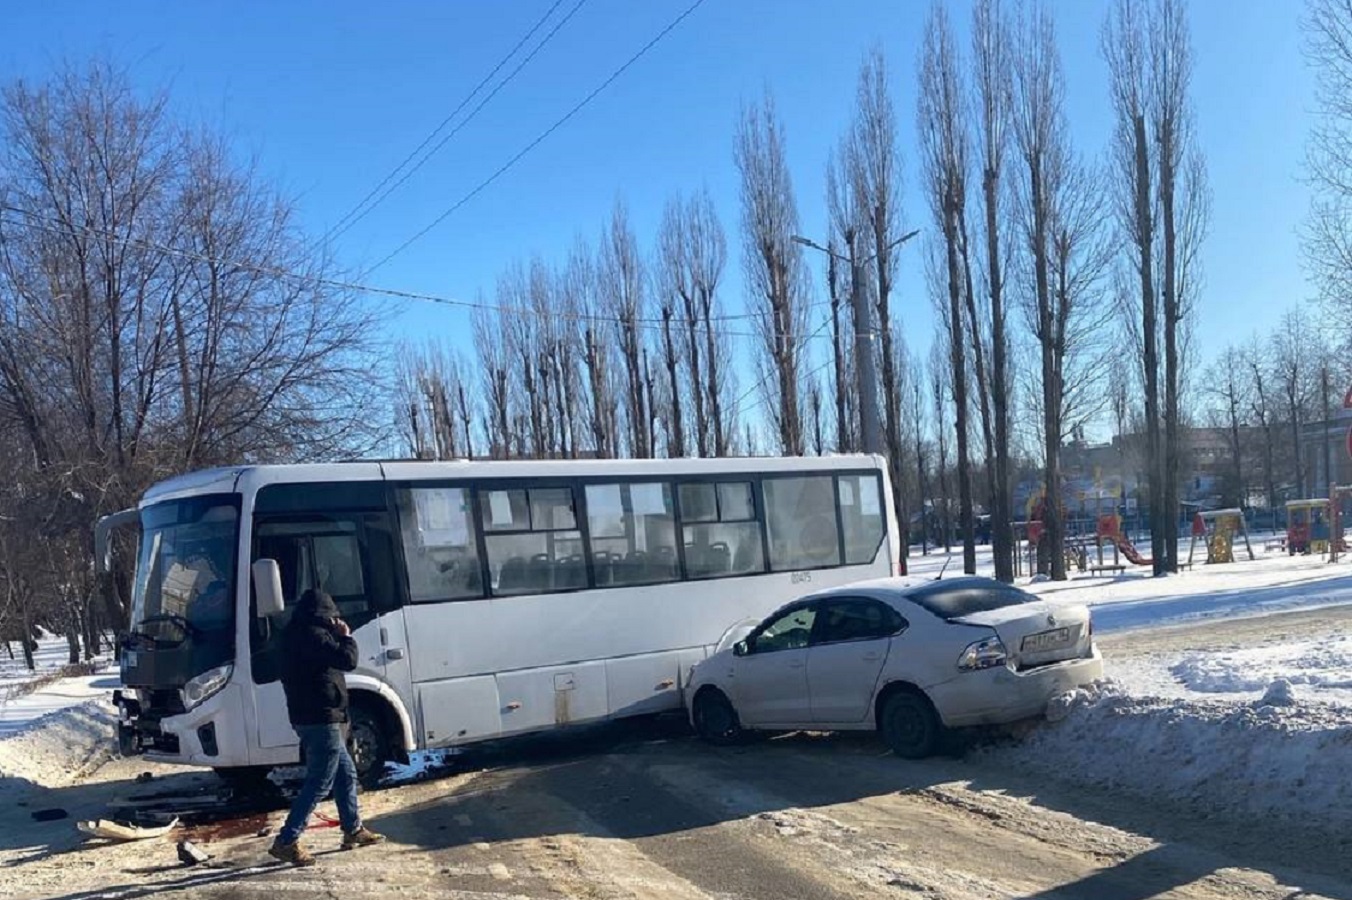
240,478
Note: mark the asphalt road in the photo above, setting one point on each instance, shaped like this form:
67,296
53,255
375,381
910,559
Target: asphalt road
645,811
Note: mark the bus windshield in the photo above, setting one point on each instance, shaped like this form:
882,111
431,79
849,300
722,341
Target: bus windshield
185,568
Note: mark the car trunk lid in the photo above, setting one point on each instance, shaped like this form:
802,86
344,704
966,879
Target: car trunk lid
1039,633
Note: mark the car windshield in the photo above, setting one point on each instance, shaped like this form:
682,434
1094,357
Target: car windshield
185,568
953,600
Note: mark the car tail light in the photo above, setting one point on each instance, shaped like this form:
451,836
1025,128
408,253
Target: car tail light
986,654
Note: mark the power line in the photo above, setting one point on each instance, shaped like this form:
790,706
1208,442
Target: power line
802,344
541,138
353,217
55,226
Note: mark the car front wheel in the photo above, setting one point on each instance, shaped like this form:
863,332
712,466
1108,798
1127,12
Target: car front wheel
909,725
715,719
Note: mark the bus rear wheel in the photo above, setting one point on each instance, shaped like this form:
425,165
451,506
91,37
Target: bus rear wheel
369,743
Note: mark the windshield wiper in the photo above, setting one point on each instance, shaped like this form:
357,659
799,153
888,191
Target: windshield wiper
189,630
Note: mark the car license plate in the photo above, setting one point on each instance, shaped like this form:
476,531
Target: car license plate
1046,640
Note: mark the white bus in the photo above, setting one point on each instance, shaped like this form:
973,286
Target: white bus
488,599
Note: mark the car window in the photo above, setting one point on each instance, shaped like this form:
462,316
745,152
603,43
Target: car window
791,631
855,619
965,597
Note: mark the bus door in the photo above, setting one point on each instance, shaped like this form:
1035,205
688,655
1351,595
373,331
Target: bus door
351,557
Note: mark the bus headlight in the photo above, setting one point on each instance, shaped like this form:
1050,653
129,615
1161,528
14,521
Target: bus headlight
206,684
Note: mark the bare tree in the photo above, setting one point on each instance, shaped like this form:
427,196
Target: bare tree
620,280
843,204
434,406
1295,356
915,412
593,341
692,253
490,354
1183,214
874,168
1265,417
993,94
1229,392
159,311
1126,47
943,140
1327,236
940,384
1065,256
777,281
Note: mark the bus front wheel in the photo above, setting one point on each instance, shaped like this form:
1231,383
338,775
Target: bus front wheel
245,779
369,743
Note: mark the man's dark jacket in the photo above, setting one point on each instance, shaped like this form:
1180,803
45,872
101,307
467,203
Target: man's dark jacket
314,659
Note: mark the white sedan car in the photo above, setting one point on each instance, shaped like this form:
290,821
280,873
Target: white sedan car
906,657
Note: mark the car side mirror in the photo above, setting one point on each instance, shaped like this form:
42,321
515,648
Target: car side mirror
267,578
741,648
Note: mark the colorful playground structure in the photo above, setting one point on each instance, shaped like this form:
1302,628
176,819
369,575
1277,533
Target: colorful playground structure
1217,529
1318,525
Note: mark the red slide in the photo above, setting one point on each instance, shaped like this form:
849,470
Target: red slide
1128,549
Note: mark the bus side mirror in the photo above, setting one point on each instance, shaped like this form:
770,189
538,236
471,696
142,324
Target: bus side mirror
267,577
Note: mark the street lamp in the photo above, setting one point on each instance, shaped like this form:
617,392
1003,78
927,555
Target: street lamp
865,370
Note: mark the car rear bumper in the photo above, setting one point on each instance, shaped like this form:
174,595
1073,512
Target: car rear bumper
1000,696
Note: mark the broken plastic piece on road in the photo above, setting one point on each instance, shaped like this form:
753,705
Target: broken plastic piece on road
116,831
190,854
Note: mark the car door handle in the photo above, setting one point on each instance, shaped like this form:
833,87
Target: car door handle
872,657
396,653
796,664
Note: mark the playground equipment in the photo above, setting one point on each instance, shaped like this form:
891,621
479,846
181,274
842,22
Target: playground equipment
1217,529
1307,526
1340,510
1109,531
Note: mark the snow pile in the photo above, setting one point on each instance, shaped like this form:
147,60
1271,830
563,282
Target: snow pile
58,748
1322,664
21,713
1279,757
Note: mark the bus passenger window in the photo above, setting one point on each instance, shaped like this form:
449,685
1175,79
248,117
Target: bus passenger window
439,544
633,533
720,531
533,543
800,515
861,516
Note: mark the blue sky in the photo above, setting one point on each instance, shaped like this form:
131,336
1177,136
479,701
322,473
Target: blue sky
329,97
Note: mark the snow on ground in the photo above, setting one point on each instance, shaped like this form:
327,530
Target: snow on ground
51,655
57,748
1269,583
59,730
1238,759
21,713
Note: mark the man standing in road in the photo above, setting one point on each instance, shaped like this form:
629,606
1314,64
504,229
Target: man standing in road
317,648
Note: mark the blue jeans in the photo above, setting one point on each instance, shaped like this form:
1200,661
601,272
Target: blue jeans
328,766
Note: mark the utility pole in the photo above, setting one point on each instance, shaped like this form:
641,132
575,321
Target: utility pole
1324,436
865,361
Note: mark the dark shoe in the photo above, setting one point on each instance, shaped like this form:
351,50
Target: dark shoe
294,854
362,837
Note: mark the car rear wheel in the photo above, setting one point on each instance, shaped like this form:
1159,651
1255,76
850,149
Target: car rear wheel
909,725
715,719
